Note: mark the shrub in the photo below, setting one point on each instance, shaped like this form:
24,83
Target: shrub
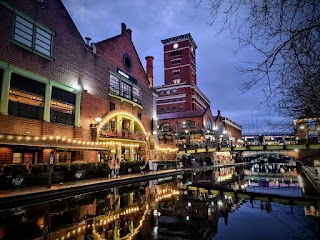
39,168
102,165
82,165
14,169
60,167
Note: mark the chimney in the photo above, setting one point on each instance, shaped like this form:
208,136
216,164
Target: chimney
150,70
94,47
129,31
88,40
123,28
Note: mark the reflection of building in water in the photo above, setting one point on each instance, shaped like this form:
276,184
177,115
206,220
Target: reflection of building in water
311,210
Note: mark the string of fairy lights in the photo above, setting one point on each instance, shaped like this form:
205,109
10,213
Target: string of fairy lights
58,139
101,221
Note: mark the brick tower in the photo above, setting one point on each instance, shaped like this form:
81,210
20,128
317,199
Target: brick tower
180,92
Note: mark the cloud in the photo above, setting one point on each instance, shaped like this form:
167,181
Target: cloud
154,20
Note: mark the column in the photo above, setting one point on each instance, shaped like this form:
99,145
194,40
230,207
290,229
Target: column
4,103
131,153
118,151
130,199
119,126
77,110
131,127
47,103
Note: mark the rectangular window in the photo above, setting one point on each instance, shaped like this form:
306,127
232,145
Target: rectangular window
126,90
162,110
114,86
181,108
112,106
32,35
176,72
62,106
174,109
168,110
176,81
122,88
139,115
17,158
168,92
26,97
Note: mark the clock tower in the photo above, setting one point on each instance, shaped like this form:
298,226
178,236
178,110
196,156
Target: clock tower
180,60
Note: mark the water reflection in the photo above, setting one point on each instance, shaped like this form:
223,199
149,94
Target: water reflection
194,206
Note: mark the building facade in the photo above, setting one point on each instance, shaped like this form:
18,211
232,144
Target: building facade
85,102
184,114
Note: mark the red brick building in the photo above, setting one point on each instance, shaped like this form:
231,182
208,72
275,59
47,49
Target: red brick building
184,114
58,93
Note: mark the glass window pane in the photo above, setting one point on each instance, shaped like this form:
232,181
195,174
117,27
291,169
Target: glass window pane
43,45
22,40
43,33
114,85
24,28
42,50
40,38
23,34
24,22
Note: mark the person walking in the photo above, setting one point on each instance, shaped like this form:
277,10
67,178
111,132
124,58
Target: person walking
112,165
50,169
117,168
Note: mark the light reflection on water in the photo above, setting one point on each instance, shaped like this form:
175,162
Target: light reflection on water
167,209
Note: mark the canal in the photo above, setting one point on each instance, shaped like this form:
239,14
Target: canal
183,207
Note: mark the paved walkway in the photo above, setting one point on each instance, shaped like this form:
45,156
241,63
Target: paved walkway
4,193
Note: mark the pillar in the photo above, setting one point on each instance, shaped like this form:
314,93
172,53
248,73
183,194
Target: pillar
130,199
131,127
47,103
131,153
5,91
118,151
77,111
119,125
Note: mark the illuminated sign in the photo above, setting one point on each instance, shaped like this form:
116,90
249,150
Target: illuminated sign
127,76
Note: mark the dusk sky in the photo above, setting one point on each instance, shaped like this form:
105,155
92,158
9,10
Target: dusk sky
152,21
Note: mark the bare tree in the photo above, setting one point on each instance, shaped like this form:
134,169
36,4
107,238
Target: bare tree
285,38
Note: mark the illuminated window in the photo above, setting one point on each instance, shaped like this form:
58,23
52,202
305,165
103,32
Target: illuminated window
176,81
125,90
136,95
181,108
62,106
26,97
33,35
114,86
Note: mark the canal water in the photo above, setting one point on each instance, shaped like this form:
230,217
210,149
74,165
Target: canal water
172,208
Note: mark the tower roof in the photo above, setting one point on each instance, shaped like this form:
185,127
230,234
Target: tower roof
180,38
